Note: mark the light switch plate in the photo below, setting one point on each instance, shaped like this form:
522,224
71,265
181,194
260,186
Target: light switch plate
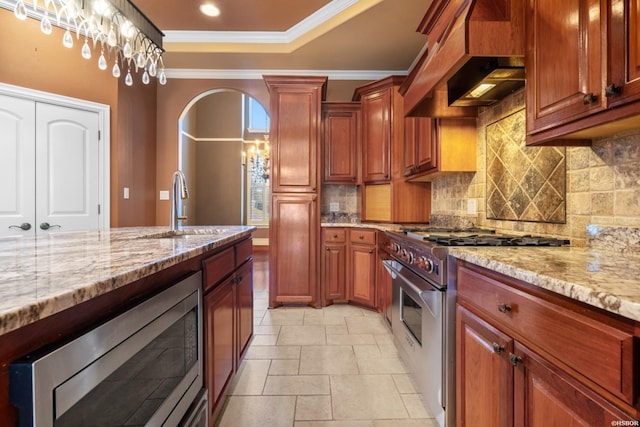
164,194
126,192
334,207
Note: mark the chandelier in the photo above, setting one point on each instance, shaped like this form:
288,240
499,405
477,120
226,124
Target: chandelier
122,37
259,157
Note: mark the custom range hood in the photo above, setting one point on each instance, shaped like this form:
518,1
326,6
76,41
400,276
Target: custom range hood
473,57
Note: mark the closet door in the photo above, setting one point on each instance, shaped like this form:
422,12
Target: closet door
17,166
67,163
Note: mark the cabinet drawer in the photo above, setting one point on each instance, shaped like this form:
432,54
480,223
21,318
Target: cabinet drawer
599,351
365,237
244,251
334,235
217,267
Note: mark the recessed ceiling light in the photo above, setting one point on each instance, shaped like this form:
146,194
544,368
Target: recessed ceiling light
209,9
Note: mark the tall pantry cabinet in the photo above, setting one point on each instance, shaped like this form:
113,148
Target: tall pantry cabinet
294,228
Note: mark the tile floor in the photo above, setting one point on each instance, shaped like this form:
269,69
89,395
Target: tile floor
335,366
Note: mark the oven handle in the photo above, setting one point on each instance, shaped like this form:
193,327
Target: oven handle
388,265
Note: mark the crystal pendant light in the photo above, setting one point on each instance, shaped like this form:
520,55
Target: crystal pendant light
162,78
128,80
153,69
140,60
86,50
20,10
112,39
145,77
45,24
127,51
115,71
102,62
67,40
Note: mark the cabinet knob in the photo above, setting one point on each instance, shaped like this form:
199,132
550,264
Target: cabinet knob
497,348
589,98
370,251
514,359
361,237
386,175
335,236
612,90
504,308
353,178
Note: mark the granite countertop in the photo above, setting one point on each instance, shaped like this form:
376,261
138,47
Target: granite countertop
605,279
41,276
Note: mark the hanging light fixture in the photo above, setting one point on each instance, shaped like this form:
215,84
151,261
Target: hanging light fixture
115,30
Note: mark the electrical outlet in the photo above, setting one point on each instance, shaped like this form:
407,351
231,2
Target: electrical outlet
164,194
472,206
126,193
334,207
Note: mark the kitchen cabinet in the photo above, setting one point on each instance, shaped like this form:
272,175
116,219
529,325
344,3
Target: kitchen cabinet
361,267
525,355
294,225
386,190
227,317
434,147
384,295
334,259
583,69
293,236
341,138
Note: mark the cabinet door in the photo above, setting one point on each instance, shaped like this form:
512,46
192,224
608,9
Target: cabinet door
340,138
244,308
544,392
376,136
624,52
295,135
294,231
383,287
334,274
362,274
484,375
564,61
420,145
219,353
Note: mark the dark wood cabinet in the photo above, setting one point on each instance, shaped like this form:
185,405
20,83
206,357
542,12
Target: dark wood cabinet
219,315
341,138
334,261
419,145
623,85
361,267
525,357
376,135
244,308
294,264
384,287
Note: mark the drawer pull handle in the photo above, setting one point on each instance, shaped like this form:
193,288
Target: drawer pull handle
497,348
335,236
504,308
361,237
589,98
514,359
612,90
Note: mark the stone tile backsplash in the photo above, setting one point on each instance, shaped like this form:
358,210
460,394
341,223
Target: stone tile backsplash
348,199
602,185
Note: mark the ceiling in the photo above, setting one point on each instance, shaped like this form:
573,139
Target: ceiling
348,39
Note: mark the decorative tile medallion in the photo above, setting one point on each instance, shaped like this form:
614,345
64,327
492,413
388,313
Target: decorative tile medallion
523,183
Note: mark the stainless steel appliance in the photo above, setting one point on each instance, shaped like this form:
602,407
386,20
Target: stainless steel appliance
423,308
143,367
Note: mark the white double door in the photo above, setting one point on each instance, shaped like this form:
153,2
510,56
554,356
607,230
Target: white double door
49,168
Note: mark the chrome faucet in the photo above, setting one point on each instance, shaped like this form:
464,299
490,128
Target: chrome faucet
178,186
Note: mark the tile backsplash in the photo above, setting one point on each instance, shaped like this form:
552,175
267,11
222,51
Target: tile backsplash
602,183
347,198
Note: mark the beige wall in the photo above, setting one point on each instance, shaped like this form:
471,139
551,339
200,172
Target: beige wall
603,183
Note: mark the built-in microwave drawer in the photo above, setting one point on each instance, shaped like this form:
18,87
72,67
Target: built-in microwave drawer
600,351
365,237
334,235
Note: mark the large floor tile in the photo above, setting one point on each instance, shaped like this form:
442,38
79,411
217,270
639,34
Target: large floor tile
366,397
273,352
266,330
338,359
381,366
285,367
283,316
415,406
264,340
313,408
359,423
366,325
350,339
405,383
296,385
251,378
258,411
302,335
406,423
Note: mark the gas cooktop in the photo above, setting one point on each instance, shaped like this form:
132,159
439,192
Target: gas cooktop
478,237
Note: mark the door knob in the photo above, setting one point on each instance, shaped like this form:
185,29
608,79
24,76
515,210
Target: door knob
24,226
46,226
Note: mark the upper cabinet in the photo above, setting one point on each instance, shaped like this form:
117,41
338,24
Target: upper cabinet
583,70
341,137
295,131
437,146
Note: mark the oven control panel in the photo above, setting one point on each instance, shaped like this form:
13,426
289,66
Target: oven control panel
421,258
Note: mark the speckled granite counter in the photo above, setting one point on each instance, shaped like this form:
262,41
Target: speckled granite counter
46,275
373,225
604,279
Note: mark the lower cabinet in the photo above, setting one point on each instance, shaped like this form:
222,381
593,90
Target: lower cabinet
361,267
527,358
384,293
227,318
334,259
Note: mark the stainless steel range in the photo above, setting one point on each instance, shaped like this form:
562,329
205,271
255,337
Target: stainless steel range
423,307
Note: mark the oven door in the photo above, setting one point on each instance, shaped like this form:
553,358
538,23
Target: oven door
418,309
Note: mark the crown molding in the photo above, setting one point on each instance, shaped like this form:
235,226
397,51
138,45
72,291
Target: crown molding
212,74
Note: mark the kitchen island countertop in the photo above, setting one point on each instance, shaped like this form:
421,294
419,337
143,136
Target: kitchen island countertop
44,275
603,279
